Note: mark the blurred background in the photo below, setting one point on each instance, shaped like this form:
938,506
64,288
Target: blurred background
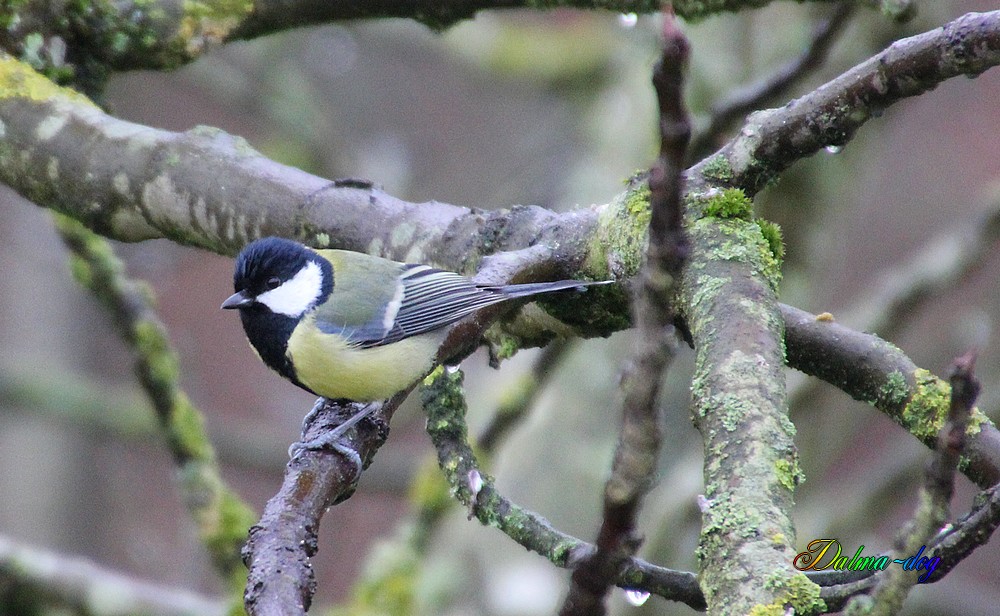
548,108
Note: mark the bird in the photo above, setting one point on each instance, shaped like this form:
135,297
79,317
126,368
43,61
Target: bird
346,325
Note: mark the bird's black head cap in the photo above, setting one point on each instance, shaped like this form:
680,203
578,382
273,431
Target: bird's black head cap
266,259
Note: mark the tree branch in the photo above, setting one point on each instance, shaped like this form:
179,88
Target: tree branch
48,582
285,538
738,389
131,182
934,501
444,401
951,546
742,101
222,518
771,140
639,437
872,370
83,43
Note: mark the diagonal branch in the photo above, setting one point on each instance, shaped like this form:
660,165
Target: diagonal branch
870,369
221,516
771,140
743,100
285,538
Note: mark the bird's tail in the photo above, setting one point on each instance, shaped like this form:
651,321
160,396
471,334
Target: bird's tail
512,291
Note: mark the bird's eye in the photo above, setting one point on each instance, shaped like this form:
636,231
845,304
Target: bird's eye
273,282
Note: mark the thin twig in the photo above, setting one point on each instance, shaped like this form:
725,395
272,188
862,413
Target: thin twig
518,399
748,98
444,402
639,439
952,546
943,263
934,500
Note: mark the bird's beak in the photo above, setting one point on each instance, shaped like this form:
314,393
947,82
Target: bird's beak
237,300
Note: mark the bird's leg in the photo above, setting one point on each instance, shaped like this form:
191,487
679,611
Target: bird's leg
311,415
331,438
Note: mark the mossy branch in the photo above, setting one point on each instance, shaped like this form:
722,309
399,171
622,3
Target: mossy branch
877,372
221,516
771,140
728,295
444,401
84,42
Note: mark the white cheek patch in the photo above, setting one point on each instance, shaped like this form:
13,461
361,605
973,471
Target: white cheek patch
297,295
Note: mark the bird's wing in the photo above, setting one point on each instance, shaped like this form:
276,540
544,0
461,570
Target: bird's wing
377,302
433,298
364,289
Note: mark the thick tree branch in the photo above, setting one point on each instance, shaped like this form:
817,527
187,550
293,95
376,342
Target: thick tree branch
875,371
131,182
738,390
208,189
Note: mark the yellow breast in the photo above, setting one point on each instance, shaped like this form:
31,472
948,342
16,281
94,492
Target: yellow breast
333,369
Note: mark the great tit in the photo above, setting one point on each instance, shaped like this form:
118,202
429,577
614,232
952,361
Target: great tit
346,325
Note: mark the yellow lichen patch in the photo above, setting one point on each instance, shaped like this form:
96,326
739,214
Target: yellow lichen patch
210,22
19,80
925,413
